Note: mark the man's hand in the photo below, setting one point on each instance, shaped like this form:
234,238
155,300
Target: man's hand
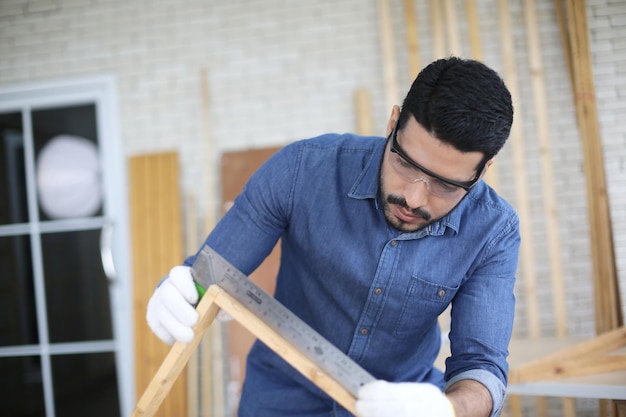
171,314
403,399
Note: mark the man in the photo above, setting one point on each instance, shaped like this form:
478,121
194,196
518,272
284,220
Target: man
378,237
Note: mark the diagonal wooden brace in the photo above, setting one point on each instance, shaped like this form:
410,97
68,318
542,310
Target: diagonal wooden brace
176,359
214,299
584,358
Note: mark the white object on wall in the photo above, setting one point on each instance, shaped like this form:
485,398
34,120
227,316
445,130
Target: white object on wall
68,177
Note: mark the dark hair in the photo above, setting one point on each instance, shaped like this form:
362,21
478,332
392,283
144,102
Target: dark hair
463,103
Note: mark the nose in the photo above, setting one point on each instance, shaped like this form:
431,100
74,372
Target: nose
416,193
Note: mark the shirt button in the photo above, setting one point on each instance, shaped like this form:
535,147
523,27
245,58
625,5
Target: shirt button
394,242
378,291
364,331
441,293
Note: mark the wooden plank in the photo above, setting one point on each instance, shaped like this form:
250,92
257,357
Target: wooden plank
451,24
515,405
518,151
212,358
476,48
541,407
390,66
608,308
437,29
412,38
476,52
604,343
597,385
545,153
363,104
169,240
569,407
193,368
210,219
207,380
569,368
583,358
175,361
140,238
157,246
565,46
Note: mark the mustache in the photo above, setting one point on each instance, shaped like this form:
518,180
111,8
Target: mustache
401,201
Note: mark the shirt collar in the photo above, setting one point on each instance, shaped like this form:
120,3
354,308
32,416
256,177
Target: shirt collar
452,220
366,185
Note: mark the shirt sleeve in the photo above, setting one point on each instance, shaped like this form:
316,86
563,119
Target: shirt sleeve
248,232
490,381
482,315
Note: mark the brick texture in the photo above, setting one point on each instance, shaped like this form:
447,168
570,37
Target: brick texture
284,70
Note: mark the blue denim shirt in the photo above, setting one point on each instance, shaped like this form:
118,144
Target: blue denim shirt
374,292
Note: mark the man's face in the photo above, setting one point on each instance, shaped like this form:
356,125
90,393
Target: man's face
411,198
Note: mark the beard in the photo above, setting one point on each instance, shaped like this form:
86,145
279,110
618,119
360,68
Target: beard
419,217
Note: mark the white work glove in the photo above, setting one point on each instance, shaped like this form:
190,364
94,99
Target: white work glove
402,399
171,313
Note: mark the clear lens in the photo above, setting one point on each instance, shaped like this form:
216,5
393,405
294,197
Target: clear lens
413,174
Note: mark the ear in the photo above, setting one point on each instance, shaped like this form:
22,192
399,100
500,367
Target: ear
487,165
393,118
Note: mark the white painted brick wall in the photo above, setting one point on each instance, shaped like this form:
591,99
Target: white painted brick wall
284,70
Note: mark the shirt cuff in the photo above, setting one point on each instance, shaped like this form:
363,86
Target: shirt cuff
490,381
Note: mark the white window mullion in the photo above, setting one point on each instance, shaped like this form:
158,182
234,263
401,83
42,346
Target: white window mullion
114,184
37,262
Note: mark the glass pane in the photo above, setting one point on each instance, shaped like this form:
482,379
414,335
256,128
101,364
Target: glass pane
12,173
85,385
21,390
68,168
77,293
18,319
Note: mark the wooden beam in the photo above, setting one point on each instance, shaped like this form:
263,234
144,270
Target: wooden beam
451,24
363,104
608,308
476,48
567,53
584,358
436,19
175,361
476,52
193,368
412,38
547,170
390,66
211,353
522,200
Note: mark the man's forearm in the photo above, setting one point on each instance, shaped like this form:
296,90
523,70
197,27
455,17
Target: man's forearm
470,399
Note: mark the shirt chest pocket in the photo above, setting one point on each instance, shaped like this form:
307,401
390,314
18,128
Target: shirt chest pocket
423,302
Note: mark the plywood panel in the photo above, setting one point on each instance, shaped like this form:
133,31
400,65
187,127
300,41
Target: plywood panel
156,233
